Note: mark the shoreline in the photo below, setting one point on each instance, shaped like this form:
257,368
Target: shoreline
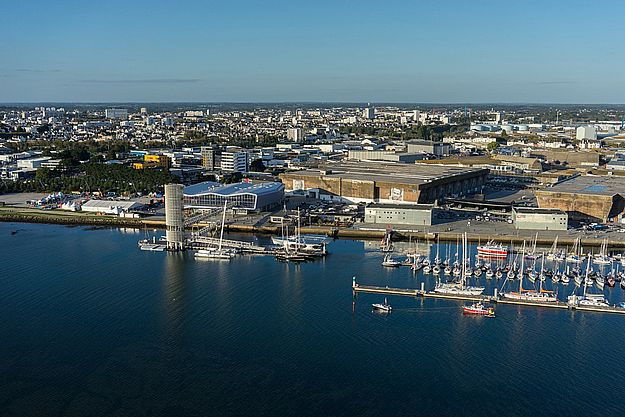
71,218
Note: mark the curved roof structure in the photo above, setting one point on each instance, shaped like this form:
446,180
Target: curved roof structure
210,187
243,195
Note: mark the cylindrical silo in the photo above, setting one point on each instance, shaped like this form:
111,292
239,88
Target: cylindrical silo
174,216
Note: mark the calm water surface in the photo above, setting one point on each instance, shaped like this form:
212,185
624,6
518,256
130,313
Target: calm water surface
91,326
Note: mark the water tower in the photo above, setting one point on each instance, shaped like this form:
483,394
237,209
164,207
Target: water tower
174,216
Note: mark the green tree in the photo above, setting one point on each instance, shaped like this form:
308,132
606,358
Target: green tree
257,165
492,146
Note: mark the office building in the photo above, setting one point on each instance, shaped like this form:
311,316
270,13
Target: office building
295,134
121,114
368,113
234,161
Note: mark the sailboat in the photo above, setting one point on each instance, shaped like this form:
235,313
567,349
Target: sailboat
603,258
532,254
540,296
460,287
390,262
554,254
588,300
219,253
575,256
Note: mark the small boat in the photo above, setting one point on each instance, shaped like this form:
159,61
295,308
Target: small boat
213,254
603,258
382,308
478,309
390,262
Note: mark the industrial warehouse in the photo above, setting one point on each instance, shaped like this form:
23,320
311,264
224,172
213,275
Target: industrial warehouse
586,198
386,182
245,196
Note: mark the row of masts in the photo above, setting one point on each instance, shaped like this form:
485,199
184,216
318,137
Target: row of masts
461,271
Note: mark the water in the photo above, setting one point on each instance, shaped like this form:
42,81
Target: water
92,326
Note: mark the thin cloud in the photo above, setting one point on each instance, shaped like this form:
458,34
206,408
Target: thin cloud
146,81
36,70
555,82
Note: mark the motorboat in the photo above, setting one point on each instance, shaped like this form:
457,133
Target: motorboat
478,309
382,307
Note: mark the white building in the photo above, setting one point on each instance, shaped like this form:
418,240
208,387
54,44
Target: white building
526,218
32,163
368,113
295,134
234,161
585,132
116,114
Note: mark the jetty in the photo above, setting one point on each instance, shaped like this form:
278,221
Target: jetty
414,292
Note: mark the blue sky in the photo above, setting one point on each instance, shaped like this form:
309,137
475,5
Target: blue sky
377,51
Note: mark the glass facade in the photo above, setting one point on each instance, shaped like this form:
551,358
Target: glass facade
214,200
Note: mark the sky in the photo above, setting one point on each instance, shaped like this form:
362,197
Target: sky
414,51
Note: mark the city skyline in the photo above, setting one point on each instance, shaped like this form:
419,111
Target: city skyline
397,52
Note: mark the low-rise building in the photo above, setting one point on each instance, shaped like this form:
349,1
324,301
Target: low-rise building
428,146
409,214
529,218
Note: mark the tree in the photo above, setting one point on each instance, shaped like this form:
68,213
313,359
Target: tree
257,165
492,146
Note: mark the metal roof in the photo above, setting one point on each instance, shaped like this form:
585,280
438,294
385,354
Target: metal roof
210,187
590,185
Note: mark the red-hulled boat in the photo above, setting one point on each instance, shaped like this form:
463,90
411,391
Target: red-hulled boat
478,309
492,250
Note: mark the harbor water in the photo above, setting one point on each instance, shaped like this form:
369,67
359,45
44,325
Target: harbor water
92,326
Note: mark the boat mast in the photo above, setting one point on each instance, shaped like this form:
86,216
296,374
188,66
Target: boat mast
463,267
522,272
223,221
587,271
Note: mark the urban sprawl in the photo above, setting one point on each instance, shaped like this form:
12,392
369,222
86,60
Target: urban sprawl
538,168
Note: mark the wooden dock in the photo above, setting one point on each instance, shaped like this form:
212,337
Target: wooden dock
413,292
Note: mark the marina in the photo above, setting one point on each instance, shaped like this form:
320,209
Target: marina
194,325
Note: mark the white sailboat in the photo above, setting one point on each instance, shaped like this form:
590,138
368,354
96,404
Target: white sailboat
603,258
219,253
540,296
460,287
575,256
554,254
588,300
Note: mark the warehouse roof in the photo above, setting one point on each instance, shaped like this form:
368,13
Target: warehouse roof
210,187
400,206
591,185
389,172
535,210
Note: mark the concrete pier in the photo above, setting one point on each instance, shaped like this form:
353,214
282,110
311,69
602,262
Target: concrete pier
410,292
